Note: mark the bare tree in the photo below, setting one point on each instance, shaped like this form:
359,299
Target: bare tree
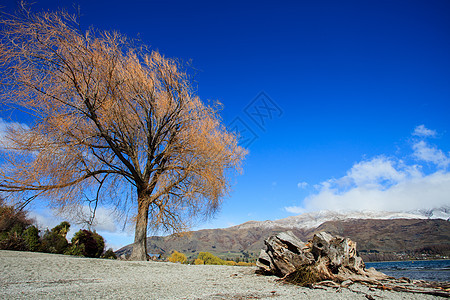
108,117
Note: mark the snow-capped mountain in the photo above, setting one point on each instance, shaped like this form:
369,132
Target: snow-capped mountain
375,232
315,219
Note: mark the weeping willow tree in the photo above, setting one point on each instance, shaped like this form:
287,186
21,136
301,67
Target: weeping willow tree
107,117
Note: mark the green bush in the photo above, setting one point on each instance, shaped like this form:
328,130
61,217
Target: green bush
12,241
13,222
12,218
100,244
75,250
31,238
52,242
93,243
62,229
55,241
109,254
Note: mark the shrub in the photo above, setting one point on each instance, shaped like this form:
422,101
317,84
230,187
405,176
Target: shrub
12,240
31,238
244,264
75,250
207,258
12,218
91,244
229,263
55,241
62,229
210,259
100,244
177,257
109,254
13,222
52,242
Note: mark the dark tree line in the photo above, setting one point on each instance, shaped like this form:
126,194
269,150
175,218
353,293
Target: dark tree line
17,232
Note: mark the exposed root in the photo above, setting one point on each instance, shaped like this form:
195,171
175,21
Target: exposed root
303,276
405,285
395,285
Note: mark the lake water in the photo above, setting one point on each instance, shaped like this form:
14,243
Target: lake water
434,270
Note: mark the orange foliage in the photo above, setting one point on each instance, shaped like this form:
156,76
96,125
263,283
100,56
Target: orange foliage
109,116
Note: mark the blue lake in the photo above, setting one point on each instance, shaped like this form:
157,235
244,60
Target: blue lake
434,270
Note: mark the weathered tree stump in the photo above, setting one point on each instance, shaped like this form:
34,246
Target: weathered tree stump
325,257
332,261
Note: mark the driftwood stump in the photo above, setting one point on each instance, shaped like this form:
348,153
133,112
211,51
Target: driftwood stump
332,261
325,257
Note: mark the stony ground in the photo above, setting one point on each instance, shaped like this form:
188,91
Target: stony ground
25,275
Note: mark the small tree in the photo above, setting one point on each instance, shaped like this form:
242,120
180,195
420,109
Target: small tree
62,229
177,257
210,259
87,243
13,222
55,241
107,116
31,238
229,262
109,254
11,217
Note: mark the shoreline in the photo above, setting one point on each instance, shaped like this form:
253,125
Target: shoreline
411,260
31,275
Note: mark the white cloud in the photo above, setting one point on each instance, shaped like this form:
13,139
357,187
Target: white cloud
302,185
422,131
425,192
295,210
44,219
430,154
115,238
386,184
5,127
376,172
104,218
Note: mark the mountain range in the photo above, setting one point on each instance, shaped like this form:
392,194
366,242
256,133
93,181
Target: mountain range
379,235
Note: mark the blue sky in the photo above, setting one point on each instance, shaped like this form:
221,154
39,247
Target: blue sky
346,103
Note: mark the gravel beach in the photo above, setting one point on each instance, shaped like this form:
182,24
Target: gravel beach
26,275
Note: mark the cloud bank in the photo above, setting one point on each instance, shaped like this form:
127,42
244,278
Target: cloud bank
105,224
387,183
421,130
104,218
5,128
302,185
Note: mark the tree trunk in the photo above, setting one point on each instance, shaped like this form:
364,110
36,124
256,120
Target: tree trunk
140,237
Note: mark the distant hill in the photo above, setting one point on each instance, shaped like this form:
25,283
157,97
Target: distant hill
393,236
315,219
395,239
